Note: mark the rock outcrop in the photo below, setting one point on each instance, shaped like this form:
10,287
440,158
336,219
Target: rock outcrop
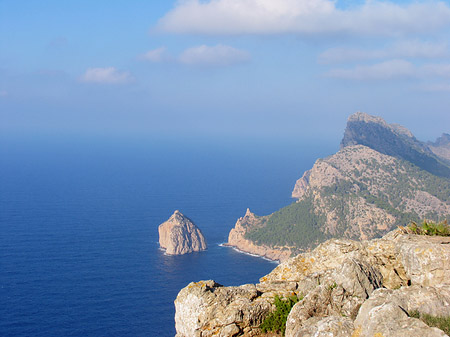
387,312
347,288
237,239
179,235
206,308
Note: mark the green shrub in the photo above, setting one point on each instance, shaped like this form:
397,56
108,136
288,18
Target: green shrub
276,321
430,228
442,323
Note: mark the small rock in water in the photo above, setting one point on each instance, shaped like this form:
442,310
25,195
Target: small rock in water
179,235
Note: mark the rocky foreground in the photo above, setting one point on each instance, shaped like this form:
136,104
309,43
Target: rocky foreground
349,288
179,235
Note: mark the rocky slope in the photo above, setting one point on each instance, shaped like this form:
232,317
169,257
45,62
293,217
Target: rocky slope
441,147
361,192
349,288
179,235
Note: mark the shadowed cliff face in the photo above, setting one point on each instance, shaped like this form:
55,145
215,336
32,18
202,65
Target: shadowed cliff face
392,140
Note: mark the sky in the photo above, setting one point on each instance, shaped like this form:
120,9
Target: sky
262,69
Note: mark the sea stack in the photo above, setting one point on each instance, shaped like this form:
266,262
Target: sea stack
179,235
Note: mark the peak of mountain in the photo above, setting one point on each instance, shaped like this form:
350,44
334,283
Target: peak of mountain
393,140
443,140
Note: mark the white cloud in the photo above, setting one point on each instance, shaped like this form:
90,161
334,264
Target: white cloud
402,49
219,55
380,71
108,75
304,17
437,70
155,55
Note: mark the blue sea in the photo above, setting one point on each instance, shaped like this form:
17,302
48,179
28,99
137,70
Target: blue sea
79,252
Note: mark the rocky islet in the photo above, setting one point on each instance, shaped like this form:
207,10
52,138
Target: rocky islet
179,235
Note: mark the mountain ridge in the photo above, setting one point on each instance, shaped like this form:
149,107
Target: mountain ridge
393,140
358,192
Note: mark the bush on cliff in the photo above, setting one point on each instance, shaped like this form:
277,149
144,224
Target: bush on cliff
430,228
276,321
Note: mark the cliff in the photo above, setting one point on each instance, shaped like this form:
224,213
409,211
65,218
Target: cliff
179,235
345,288
370,186
237,239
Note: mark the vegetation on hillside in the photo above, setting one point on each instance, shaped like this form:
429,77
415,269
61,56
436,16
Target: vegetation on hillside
294,225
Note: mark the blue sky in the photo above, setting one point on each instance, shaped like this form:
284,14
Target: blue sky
285,69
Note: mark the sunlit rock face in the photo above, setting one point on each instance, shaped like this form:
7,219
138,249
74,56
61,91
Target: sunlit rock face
179,235
345,288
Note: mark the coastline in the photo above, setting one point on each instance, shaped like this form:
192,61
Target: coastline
270,254
236,239
225,244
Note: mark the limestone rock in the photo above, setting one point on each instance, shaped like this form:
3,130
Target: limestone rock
339,281
338,292
328,255
206,309
179,235
399,258
426,259
331,326
385,313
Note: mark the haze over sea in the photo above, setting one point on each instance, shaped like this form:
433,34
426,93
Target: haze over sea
78,219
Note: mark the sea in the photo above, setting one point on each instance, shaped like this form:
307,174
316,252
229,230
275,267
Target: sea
79,253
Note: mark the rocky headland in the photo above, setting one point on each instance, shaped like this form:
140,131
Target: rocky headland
381,178
179,235
237,239
346,288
